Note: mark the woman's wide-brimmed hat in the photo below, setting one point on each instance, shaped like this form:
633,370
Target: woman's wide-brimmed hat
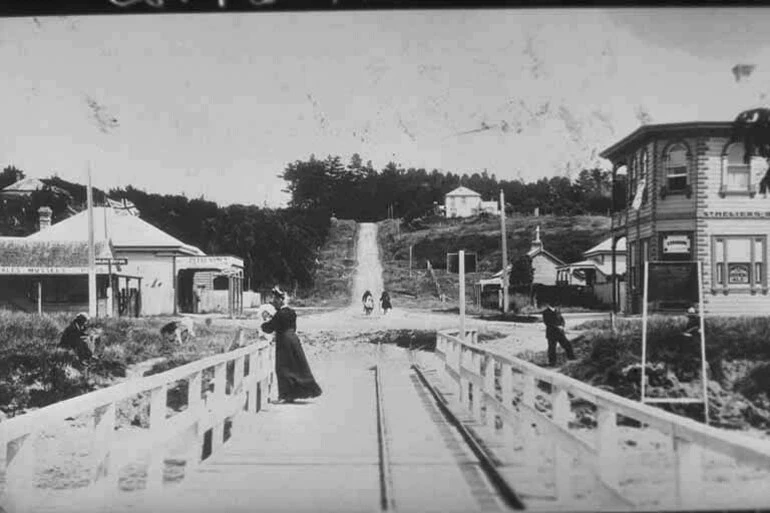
278,292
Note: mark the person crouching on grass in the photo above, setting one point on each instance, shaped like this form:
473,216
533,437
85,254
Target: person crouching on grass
295,380
554,333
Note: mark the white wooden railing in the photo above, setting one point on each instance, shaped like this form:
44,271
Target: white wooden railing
485,380
207,410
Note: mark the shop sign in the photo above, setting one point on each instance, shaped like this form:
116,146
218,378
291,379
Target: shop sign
43,270
736,214
209,262
676,244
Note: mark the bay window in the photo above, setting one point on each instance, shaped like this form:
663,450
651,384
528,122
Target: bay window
739,263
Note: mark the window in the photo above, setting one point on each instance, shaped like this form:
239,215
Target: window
675,167
736,174
633,177
740,263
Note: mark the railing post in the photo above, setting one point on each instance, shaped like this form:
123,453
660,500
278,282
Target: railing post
489,388
508,432
158,403
240,368
106,464
253,380
194,406
562,460
20,471
218,429
529,436
607,446
477,390
688,459
462,382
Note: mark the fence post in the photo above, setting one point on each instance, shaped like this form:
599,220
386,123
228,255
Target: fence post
107,467
489,388
240,368
218,429
477,390
194,403
463,383
253,380
158,402
689,472
508,431
562,460
529,438
607,446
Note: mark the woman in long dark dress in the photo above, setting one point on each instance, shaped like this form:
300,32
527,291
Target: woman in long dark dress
295,380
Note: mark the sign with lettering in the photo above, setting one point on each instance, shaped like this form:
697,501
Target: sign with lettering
737,214
676,244
208,262
49,270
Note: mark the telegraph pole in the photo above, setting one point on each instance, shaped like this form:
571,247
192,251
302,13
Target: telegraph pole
462,294
91,250
505,251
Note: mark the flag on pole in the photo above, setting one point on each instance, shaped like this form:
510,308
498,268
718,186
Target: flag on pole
123,207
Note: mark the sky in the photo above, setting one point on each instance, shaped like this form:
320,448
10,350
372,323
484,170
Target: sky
217,104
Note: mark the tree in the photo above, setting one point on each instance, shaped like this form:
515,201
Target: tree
522,272
752,128
10,175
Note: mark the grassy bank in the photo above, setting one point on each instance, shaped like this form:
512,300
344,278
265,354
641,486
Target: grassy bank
333,276
737,353
35,373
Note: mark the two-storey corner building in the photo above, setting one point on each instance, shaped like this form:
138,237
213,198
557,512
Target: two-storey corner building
691,197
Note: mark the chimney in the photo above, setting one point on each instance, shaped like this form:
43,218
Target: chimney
45,217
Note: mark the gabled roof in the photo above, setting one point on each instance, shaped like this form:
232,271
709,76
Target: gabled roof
532,253
24,185
27,186
22,252
463,191
606,246
124,231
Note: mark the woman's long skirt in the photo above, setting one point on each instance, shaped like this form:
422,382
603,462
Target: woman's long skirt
295,380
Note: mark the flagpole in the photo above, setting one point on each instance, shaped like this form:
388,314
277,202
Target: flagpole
91,249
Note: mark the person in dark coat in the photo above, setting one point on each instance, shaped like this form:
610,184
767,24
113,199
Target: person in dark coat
554,332
693,323
295,380
385,302
75,338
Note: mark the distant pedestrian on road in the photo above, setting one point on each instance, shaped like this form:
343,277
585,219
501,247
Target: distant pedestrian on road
295,380
385,302
554,332
75,338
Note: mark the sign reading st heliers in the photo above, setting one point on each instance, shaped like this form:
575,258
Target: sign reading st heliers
736,214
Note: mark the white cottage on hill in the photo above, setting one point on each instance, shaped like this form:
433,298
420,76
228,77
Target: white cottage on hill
463,202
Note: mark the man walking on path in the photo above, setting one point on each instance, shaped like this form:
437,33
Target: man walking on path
554,332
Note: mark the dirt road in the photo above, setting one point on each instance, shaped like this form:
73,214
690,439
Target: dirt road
350,323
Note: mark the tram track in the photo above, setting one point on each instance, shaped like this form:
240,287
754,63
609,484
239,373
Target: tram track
478,468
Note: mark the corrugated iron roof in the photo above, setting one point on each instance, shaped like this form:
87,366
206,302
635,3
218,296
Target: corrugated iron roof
123,231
